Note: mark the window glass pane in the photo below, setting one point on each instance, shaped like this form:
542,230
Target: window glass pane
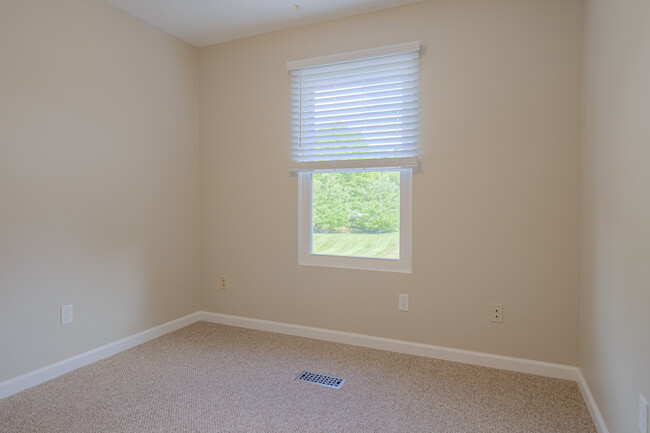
356,214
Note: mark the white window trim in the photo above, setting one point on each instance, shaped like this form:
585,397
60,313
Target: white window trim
305,256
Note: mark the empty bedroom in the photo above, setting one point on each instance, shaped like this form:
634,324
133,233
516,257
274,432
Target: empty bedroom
325,216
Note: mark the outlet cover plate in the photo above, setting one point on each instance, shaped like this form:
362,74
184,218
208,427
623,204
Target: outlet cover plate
67,316
496,313
403,302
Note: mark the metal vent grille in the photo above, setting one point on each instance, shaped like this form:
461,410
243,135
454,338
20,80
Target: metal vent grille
322,379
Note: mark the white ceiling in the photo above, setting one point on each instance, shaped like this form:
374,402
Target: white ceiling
207,22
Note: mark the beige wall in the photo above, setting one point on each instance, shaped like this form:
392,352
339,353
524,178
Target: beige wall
615,285
99,183
98,178
100,197
495,206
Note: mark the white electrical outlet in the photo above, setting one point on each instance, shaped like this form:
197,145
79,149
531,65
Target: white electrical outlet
643,415
496,313
403,302
224,283
66,315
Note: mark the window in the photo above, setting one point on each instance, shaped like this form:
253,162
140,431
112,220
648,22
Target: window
355,143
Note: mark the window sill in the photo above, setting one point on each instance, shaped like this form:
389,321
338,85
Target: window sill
360,263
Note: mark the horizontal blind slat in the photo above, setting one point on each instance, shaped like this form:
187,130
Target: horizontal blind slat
356,121
339,100
362,155
351,164
321,111
359,112
397,142
367,81
361,89
391,76
352,149
316,140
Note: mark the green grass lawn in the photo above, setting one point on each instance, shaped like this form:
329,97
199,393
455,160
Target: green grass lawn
385,245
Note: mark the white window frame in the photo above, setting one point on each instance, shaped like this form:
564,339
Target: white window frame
404,160
305,207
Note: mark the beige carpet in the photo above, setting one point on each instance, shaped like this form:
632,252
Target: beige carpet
215,378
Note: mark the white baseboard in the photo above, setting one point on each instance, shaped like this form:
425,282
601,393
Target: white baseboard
596,416
51,371
521,365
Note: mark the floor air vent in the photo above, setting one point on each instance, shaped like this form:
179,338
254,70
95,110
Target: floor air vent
322,379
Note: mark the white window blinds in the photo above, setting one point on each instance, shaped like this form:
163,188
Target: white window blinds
356,110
